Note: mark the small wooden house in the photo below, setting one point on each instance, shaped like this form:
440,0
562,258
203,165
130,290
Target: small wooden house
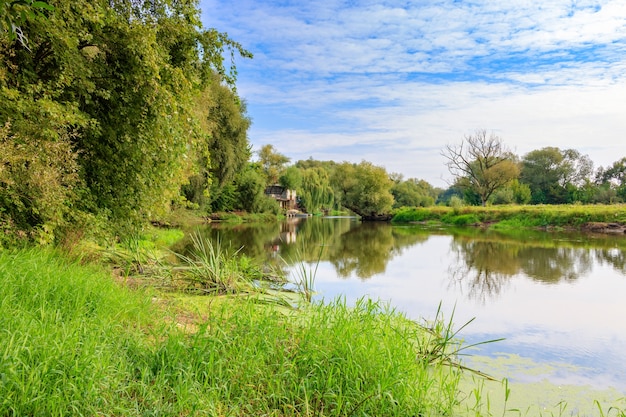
286,198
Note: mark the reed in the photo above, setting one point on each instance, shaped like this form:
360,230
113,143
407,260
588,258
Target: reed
303,272
211,267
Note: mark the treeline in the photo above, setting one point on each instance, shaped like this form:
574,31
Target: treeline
113,112
109,108
485,171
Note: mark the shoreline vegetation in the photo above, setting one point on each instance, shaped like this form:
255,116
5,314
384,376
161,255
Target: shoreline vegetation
208,333
78,343
590,218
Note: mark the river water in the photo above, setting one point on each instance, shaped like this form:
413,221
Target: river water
558,299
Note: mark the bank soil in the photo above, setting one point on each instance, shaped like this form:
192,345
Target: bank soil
602,227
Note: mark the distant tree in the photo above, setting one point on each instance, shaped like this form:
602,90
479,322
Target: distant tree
554,174
483,162
613,178
446,195
412,192
363,188
291,178
272,162
315,192
513,193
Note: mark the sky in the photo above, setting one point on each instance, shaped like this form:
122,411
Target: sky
393,82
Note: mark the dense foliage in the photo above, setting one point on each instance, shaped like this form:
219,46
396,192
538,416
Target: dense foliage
103,114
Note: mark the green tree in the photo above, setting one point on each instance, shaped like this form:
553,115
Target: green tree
250,186
15,13
291,178
553,174
315,192
513,193
413,193
37,182
223,148
613,180
228,143
484,163
363,188
272,162
118,80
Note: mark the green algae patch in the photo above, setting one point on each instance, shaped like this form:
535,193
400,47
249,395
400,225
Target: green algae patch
529,388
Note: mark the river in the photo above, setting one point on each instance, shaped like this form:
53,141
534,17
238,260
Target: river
557,299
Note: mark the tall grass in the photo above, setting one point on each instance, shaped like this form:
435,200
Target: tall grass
64,329
75,343
334,360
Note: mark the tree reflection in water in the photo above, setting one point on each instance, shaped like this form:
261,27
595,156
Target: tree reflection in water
484,266
366,250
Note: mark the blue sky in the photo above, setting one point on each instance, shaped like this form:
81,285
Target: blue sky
393,82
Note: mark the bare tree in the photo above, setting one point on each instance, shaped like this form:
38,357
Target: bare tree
481,163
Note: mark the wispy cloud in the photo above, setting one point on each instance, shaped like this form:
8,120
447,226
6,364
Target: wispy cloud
393,81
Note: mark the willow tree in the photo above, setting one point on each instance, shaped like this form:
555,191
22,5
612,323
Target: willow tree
315,191
223,149
481,163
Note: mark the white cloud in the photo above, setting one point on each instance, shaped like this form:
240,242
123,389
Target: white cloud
393,83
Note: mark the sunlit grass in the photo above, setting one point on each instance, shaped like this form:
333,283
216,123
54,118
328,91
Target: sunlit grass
75,343
527,216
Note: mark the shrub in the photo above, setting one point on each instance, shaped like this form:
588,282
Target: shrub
37,182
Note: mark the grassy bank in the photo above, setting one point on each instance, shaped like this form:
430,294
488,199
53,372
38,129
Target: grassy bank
503,217
74,342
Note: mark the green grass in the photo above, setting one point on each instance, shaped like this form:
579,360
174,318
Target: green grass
75,343
66,330
511,217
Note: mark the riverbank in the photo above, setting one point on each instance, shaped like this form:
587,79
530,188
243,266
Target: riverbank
593,218
160,351
75,342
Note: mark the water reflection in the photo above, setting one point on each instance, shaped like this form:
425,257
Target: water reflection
555,297
481,264
482,267
365,251
612,257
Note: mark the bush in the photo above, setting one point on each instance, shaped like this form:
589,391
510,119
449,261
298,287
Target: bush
37,182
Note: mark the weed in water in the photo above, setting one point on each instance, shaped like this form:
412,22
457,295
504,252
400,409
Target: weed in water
304,273
210,267
442,345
